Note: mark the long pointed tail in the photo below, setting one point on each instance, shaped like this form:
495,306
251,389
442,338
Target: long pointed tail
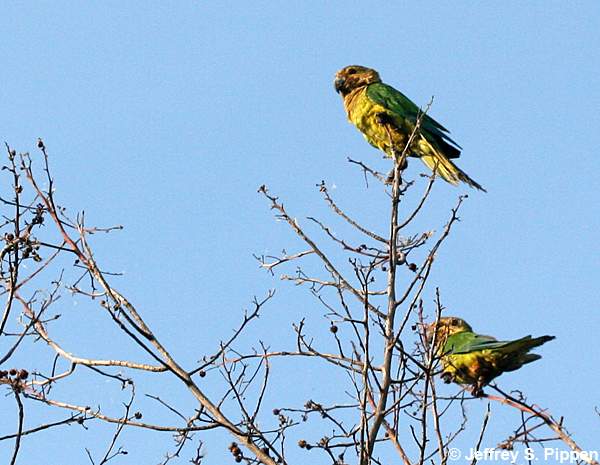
525,344
517,351
448,171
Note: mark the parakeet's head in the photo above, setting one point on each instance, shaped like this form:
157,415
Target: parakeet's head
352,77
452,324
446,326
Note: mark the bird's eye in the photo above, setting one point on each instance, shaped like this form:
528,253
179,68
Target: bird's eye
352,71
454,322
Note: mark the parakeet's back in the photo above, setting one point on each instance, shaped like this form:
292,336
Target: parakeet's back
404,114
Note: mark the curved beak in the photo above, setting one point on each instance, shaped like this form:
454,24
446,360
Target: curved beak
339,84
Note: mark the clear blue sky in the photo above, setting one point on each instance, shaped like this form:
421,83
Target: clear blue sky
166,117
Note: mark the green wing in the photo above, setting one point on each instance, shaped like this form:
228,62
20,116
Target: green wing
466,342
402,107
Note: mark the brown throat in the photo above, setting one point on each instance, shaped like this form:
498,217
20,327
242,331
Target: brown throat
349,98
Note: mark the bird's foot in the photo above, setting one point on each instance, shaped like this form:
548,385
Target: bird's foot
390,177
477,390
447,377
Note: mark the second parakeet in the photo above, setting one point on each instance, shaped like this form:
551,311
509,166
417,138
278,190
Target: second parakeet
473,359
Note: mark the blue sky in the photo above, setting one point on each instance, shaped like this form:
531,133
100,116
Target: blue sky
166,117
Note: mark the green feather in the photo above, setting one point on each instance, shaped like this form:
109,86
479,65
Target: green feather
405,114
467,342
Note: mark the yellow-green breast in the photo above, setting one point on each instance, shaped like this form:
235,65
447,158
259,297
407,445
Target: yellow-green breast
468,368
363,113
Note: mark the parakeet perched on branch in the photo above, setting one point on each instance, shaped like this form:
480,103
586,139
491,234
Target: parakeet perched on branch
473,359
387,118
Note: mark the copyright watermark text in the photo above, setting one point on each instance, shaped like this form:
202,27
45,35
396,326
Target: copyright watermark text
489,454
